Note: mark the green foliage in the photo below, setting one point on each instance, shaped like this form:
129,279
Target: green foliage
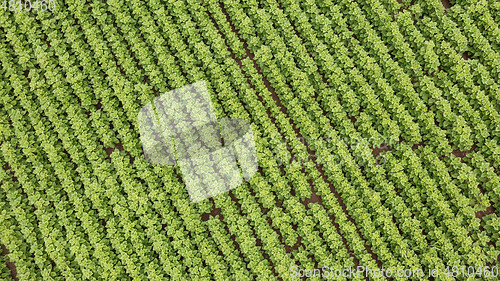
376,125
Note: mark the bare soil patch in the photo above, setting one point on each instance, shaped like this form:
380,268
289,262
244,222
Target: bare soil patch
461,154
290,249
490,210
213,213
446,4
98,106
383,148
119,146
315,198
10,265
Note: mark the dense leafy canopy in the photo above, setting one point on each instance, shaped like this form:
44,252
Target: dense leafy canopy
376,124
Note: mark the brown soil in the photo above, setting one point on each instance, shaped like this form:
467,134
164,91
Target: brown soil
98,106
318,166
110,150
213,213
415,146
8,169
251,56
461,154
383,148
258,241
315,198
490,210
10,265
290,249
446,4
404,6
